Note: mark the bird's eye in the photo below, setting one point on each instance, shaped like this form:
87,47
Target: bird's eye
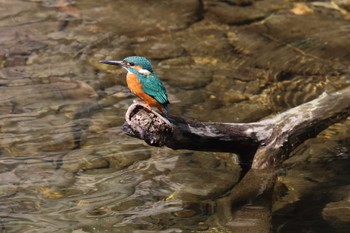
131,64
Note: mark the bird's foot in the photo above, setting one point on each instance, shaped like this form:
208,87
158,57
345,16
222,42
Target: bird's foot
137,101
141,102
163,117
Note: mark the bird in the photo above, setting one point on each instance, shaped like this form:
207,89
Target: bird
143,82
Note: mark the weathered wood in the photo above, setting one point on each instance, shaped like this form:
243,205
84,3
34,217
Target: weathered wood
256,188
268,141
293,127
266,144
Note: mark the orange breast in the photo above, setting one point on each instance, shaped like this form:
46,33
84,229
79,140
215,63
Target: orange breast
134,84
136,88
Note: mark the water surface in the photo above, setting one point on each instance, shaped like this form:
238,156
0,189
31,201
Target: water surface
66,165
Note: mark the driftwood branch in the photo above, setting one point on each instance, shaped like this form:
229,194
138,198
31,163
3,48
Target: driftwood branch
265,144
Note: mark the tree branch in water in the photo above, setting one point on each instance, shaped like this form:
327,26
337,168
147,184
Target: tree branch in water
265,143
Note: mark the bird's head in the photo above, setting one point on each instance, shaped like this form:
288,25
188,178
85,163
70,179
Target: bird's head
133,63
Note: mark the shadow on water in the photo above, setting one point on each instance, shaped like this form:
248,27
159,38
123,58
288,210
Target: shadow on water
66,165
313,194
315,210
304,215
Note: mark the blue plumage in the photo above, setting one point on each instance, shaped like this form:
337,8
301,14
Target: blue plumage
152,89
151,84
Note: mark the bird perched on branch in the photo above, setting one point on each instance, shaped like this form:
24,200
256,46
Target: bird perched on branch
143,82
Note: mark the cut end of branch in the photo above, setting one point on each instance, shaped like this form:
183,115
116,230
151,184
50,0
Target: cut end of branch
147,125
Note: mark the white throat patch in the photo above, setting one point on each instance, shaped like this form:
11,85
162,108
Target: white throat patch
144,72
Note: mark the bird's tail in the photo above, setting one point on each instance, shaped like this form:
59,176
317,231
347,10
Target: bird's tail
166,112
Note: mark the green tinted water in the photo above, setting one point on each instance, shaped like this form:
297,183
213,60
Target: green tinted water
65,164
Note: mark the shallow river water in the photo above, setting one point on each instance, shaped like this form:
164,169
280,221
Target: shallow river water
67,166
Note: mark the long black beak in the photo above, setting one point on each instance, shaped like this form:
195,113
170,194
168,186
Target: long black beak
115,63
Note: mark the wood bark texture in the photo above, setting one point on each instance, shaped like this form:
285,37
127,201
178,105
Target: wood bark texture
265,144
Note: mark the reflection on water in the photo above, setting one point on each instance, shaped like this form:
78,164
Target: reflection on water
65,164
317,187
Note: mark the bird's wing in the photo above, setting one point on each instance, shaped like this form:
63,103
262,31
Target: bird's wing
152,86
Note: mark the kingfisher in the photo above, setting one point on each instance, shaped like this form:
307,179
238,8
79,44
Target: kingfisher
143,82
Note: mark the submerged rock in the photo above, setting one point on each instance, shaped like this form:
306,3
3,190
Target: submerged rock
242,12
187,78
159,50
337,214
142,17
